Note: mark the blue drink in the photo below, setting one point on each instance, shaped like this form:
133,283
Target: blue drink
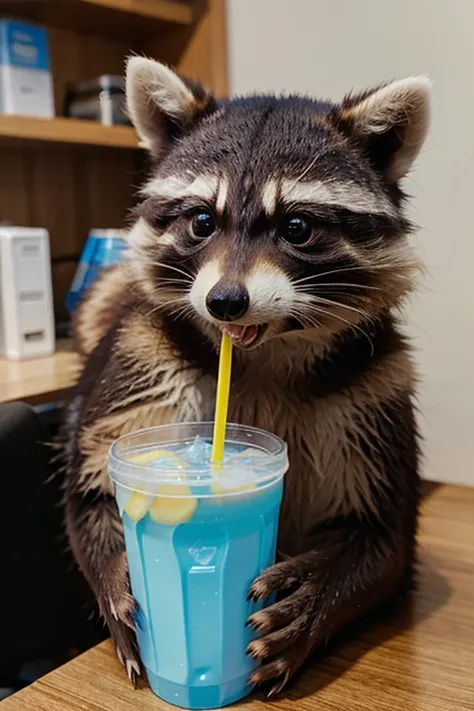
196,539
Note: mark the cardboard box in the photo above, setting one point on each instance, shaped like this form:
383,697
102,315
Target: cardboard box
26,85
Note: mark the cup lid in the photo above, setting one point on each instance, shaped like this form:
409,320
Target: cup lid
263,460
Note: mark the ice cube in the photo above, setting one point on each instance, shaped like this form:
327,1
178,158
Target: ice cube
199,452
247,457
229,487
234,478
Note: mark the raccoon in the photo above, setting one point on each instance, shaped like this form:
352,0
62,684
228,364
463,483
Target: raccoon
279,220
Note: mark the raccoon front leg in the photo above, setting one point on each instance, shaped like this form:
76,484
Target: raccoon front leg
350,570
96,537
353,562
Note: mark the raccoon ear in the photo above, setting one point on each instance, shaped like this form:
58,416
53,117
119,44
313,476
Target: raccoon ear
389,123
160,103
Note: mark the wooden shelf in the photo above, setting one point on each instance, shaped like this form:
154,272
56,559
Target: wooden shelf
65,130
40,380
115,18
69,176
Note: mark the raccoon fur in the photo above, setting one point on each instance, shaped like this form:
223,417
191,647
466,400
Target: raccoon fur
281,221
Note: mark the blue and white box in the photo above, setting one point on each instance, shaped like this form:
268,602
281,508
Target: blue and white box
26,85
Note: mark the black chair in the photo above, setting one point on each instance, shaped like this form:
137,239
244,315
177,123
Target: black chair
42,610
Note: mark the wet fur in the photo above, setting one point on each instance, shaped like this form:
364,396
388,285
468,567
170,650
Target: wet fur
340,395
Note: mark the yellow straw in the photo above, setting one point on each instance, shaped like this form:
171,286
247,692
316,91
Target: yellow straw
222,400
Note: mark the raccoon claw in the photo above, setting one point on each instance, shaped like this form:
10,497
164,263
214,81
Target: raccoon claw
287,626
133,670
281,576
279,671
126,649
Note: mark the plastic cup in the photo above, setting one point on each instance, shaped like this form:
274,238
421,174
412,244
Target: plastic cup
196,538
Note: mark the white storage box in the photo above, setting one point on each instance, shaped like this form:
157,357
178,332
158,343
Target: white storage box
26,298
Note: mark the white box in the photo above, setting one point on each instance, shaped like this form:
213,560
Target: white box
26,85
26,294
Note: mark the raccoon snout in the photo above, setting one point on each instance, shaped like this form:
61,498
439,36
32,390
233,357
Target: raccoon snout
227,302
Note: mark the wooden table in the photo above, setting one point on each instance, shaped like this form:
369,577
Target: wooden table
422,661
40,380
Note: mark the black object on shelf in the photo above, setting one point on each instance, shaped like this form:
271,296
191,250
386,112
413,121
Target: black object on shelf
100,99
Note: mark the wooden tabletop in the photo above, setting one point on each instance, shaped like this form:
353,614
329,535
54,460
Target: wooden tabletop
422,661
39,380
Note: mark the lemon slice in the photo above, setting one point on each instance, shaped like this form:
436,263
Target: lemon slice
137,506
154,454
168,508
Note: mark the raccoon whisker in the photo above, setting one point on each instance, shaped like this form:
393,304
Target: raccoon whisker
153,310
184,311
341,300
305,319
170,291
341,283
334,293
314,307
353,326
175,269
177,280
330,302
165,304
176,300
311,322
332,271
300,311
179,300
367,268
171,281
177,284
173,285
299,316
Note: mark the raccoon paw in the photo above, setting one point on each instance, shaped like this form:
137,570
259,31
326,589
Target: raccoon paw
126,648
118,609
115,597
287,626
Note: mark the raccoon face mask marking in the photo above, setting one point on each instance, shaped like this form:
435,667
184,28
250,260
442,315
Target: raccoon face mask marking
272,217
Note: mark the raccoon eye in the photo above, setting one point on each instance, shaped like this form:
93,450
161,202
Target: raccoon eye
296,229
203,224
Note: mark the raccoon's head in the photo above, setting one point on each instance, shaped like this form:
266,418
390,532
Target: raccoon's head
274,217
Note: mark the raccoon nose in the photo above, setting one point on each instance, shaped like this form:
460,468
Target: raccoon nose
227,302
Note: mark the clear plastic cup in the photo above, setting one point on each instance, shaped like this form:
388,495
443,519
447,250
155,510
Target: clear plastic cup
196,538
